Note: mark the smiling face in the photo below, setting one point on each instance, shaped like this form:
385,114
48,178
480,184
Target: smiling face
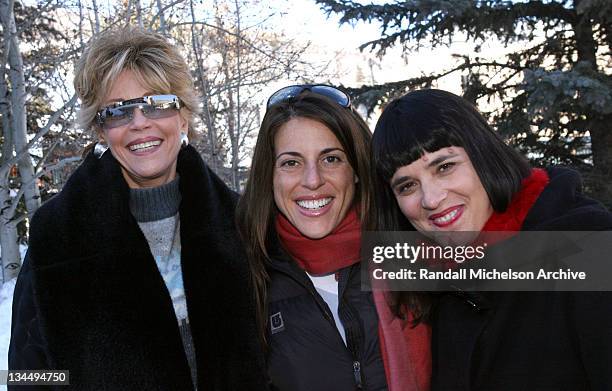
313,182
441,192
146,149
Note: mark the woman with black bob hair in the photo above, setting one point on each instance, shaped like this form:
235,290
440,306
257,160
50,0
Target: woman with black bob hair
429,120
440,168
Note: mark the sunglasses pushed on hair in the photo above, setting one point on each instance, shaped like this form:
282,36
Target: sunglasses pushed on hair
152,107
286,93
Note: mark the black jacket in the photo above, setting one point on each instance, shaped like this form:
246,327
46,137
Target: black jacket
530,340
91,300
306,351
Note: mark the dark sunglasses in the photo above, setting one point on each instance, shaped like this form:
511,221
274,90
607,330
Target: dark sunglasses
289,92
152,107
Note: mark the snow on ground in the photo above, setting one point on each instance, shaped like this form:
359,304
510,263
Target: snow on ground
6,301
6,304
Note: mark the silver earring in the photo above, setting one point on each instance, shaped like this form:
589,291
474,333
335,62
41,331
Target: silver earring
184,139
99,149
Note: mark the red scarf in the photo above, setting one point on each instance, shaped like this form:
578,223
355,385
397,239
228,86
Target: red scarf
408,364
327,255
512,219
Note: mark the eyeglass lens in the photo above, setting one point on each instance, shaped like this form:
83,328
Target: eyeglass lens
163,106
119,116
292,91
338,96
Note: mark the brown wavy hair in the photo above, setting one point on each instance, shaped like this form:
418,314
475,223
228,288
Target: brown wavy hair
256,209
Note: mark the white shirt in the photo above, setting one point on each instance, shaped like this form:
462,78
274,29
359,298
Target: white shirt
327,288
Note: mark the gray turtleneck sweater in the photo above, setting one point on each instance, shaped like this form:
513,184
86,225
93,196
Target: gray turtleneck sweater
156,211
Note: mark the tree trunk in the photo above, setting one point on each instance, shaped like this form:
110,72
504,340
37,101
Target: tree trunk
19,116
601,146
9,244
231,109
128,13
231,121
236,139
139,14
11,259
598,123
205,93
96,26
162,18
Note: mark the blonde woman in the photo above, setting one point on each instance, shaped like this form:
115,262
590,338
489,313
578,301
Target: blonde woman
132,280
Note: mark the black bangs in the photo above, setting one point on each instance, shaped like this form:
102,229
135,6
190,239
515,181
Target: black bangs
405,132
427,120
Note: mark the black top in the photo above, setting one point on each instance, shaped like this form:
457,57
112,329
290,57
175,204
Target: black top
89,298
530,340
306,351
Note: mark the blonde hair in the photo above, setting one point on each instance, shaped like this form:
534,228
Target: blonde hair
156,63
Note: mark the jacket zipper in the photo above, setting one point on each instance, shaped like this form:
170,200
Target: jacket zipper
357,375
352,339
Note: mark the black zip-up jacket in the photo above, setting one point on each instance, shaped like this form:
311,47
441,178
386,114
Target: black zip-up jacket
307,352
548,341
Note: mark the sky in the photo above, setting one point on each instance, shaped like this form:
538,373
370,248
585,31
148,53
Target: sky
304,20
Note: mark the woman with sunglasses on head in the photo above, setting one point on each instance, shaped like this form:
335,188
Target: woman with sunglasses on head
133,280
441,169
300,217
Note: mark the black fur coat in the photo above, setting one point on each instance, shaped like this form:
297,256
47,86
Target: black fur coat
91,300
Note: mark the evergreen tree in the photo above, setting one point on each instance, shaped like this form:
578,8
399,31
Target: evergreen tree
555,91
